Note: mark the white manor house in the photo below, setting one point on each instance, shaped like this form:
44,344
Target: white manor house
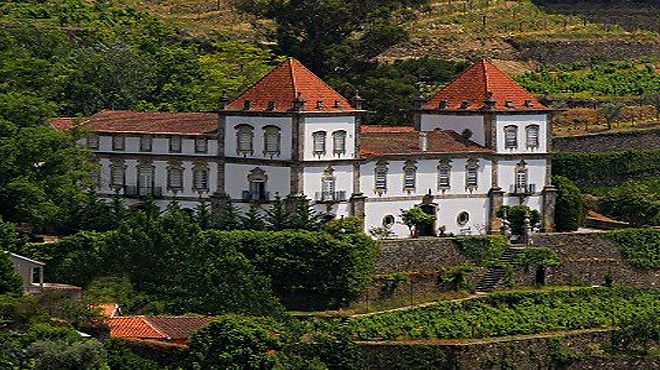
481,142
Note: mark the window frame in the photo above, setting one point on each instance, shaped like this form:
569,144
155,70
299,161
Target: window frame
92,141
148,140
178,139
319,143
511,142
272,135
205,146
537,140
472,172
114,175
409,176
339,142
173,168
380,172
118,142
244,131
204,170
444,165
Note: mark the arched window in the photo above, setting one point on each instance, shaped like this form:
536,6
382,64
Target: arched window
471,174
511,137
409,176
532,132
200,177
257,179
244,138
319,142
175,176
380,179
444,174
339,142
272,139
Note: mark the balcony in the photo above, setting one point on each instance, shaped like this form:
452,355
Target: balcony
143,191
527,189
256,196
330,196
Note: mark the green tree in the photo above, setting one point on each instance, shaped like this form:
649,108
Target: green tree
277,216
304,216
203,215
540,258
229,217
237,342
10,282
415,218
610,112
516,217
62,355
454,278
569,208
633,202
252,219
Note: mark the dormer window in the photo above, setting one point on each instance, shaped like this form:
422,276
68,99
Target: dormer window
339,142
442,105
145,143
509,104
320,105
532,133
336,104
271,106
244,138
272,140
319,142
511,137
247,105
175,144
465,104
118,142
92,141
201,145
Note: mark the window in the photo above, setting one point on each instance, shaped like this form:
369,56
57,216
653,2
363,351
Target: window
444,173
257,181
511,137
201,145
117,170
532,136
92,142
118,142
409,175
145,179
35,277
200,177
339,142
381,177
388,221
175,144
521,185
244,137
272,139
175,176
145,143
471,174
319,142
463,218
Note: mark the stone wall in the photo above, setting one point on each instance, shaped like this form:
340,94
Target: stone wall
569,51
647,139
529,352
586,258
422,254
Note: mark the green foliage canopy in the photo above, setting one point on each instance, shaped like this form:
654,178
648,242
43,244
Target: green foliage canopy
569,208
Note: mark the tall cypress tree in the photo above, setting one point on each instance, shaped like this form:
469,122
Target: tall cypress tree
203,214
304,216
277,216
229,217
253,220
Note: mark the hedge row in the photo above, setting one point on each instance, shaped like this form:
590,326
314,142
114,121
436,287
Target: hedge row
605,169
641,247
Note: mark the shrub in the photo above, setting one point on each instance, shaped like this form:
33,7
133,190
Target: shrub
416,219
569,209
482,250
539,258
516,217
62,355
641,247
391,282
10,282
453,278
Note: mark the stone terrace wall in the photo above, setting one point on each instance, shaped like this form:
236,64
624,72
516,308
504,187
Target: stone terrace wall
422,254
609,142
587,258
568,51
520,354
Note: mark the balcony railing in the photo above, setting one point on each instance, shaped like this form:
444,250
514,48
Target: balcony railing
143,191
253,196
523,189
330,196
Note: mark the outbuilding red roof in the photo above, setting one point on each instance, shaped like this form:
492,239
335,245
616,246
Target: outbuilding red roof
164,123
481,82
167,328
375,144
277,90
368,129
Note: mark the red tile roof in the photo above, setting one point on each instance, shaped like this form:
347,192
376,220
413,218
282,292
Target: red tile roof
367,129
169,328
164,123
286,82
106,309
375,144
475,85
63,123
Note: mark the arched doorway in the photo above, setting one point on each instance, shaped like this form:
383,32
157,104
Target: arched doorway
430,208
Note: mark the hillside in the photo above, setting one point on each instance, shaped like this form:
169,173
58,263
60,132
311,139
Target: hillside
547,31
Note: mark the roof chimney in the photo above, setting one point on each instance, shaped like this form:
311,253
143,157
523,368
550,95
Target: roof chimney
489,103
423,140
298,103
320,105
442,105
508,104
529,104
357,101
223,101
465,104
336,104
271,106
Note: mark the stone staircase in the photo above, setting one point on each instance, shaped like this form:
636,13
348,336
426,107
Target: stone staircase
495,275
